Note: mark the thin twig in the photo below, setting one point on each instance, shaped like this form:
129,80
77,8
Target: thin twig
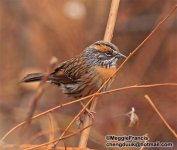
37,96
52,133
40,91
59,139
43,133
153,49
84,98
138,86
161,117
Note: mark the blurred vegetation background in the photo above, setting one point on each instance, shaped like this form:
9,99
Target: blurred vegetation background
31,32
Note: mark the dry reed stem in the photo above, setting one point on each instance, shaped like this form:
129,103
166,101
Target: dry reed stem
84,98
51,126
161,117
59,139
52,133
111,20
40,91
107,37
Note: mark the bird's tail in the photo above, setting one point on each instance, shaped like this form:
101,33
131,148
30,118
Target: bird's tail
34,77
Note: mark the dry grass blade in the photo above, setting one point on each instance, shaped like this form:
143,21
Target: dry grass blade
161,117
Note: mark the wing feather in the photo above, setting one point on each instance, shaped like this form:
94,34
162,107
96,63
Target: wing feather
69,72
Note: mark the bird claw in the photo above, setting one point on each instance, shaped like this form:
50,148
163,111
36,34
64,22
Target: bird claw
80,119
90,113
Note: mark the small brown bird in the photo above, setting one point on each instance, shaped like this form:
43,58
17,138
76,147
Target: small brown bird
84,74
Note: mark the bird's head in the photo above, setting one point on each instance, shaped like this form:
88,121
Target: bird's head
104,54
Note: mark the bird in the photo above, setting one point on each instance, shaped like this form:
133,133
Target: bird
85,73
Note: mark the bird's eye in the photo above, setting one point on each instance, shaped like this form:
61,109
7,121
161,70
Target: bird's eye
108,53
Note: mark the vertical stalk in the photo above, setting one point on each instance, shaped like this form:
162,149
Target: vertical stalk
107,37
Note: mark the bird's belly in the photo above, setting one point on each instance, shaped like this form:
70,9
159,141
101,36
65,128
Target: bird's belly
82,89
69,88
78,90
89,83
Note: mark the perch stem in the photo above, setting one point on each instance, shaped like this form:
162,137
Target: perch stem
107,37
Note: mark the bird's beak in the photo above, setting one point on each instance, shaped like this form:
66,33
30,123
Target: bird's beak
119,55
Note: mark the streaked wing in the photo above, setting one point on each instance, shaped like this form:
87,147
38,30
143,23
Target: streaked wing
59,76
69,72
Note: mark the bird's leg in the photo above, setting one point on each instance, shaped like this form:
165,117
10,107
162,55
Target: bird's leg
80,119
90,113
